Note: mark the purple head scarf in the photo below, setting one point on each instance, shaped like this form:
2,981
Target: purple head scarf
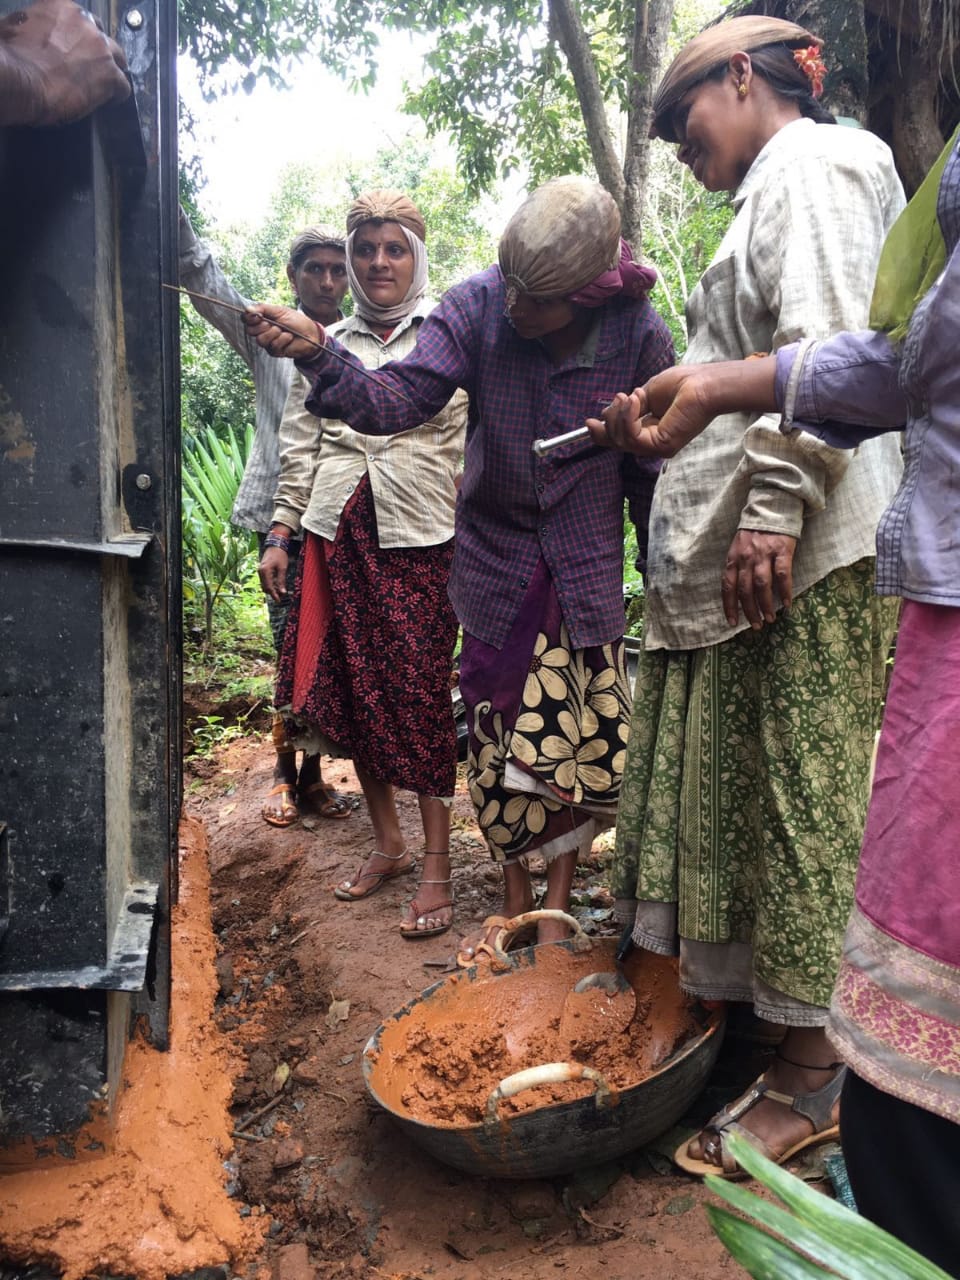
627,276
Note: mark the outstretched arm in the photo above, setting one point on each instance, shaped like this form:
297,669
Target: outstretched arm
659,418
57,65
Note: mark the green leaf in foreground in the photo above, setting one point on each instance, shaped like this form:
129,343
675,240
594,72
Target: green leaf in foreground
817,1236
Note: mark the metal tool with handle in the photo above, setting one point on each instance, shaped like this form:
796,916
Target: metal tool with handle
541,447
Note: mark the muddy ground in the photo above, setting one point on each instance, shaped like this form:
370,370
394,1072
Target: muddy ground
304,980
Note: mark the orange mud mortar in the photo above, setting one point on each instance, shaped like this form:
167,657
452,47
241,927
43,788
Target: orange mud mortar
440,1062
155,1204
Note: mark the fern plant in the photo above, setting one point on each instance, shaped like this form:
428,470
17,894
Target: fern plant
810,1236
214,550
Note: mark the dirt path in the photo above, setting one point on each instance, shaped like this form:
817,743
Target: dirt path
304,980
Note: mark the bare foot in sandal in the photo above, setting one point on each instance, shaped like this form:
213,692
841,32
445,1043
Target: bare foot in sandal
374,874
517,898
280,806
323,802
794,1105
315,798
431,912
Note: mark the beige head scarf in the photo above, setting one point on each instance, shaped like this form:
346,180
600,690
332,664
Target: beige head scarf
711,49
388,206
563,236
313,238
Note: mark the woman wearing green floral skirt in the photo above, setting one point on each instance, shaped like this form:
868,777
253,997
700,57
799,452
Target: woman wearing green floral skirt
759,692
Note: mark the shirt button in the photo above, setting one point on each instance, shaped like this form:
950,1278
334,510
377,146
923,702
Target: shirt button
540,488
543,531
523,582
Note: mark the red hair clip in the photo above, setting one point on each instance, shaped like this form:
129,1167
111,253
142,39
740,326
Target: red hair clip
811,64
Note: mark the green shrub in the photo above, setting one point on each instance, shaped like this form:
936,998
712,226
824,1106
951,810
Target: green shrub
216,554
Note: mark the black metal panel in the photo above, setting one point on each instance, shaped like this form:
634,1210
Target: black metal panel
54,1065
89,575
52,760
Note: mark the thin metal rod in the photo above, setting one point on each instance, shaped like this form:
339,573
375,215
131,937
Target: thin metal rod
230,306
540,447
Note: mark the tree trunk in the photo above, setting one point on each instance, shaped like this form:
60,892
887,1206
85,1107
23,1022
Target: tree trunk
651,29
625,180
917,140
575,44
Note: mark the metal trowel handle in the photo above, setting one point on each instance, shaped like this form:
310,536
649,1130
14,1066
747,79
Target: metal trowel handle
542,447
626,944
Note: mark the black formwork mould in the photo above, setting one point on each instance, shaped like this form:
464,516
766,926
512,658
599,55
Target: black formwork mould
89,589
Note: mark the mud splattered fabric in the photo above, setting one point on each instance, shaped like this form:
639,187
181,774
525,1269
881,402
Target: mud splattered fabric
745,789
368,654
548,728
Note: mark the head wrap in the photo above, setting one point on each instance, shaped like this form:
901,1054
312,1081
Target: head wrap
714,48
379,207
386,205
563,236
313,238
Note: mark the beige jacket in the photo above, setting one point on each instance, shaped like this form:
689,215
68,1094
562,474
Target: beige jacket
411,474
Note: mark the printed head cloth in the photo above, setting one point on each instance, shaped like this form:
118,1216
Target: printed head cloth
564,242
712,49
388,206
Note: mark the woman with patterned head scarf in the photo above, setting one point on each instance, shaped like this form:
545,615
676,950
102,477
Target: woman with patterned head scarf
366,665
760,688
539,342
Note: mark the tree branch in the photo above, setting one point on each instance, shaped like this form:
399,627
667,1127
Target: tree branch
576,48
650,31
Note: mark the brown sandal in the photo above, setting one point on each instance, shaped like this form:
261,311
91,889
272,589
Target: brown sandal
287,813
816,1108
332,804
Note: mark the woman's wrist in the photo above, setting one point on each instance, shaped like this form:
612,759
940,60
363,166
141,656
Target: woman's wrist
280,535
743,385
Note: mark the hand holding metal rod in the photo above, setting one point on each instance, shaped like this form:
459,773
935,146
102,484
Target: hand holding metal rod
229,306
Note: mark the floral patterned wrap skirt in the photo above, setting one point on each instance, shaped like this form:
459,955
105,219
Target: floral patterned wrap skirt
548,729
745,795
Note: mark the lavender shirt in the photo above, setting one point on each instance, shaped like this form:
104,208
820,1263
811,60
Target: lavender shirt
856,385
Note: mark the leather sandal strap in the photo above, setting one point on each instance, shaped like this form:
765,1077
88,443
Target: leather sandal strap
447,881
817,1107
739,1108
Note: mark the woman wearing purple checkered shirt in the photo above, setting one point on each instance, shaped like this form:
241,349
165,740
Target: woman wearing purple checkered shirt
539,343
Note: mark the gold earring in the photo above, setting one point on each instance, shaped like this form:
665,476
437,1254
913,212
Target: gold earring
742,89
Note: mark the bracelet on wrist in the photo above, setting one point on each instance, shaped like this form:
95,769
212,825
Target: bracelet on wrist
278,540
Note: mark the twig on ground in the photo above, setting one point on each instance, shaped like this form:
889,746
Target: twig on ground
616,1232
261,1111
303,932
548,1244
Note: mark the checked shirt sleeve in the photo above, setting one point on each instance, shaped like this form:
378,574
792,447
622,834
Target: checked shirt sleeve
406,392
